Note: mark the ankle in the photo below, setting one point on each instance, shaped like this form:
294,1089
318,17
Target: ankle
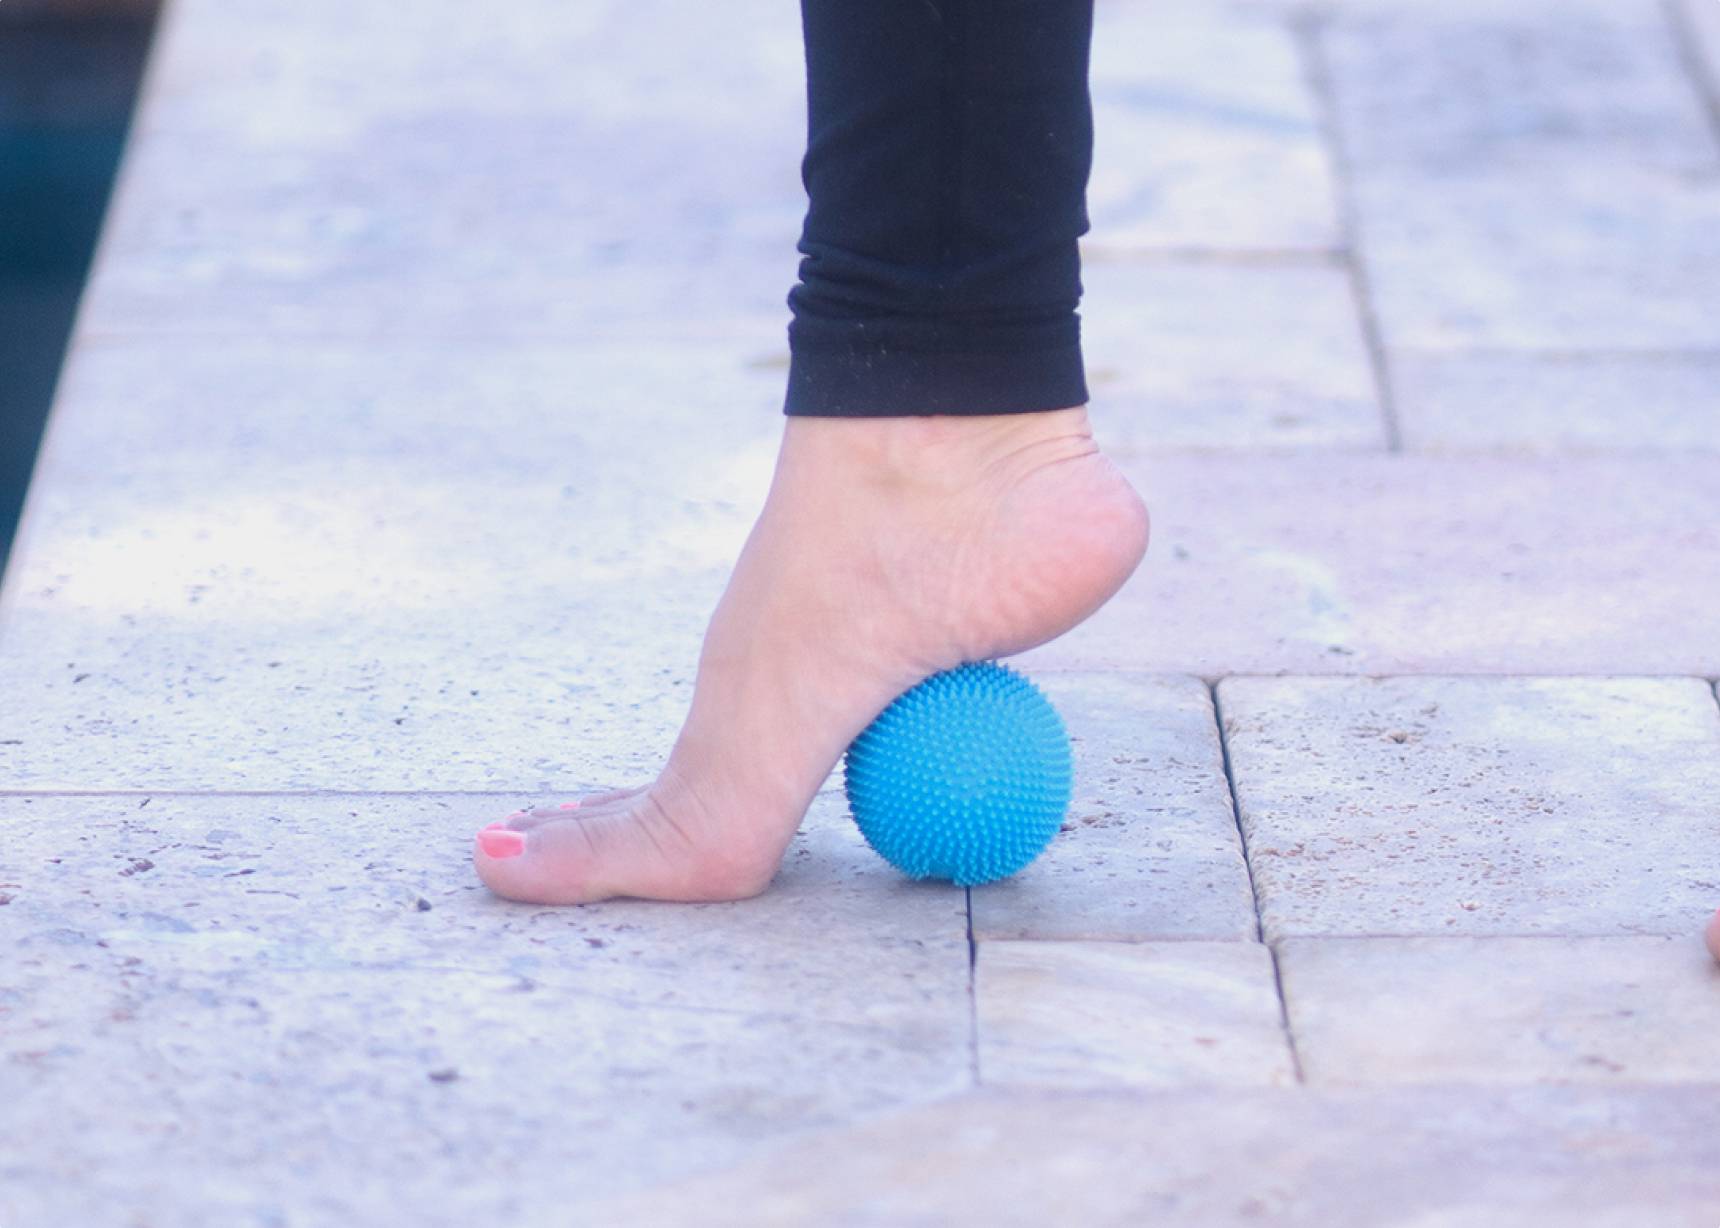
941,448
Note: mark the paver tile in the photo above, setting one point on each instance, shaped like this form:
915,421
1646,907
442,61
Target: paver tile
1475,806
1562,193
282,186
1509,1158
1150,846
203,992
348,241
270,882
1503,1010
1415,564
269,74
1593,256
443,172
1467,86
1180,150
1457,401
334,568
1210,354
324,660
1120,1014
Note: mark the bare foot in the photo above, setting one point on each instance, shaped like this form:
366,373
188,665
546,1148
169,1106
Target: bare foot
1714,936
888,549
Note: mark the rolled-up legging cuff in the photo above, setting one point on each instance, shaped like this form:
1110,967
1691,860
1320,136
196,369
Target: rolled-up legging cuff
853,370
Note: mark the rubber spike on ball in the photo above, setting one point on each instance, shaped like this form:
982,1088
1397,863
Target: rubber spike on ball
965,777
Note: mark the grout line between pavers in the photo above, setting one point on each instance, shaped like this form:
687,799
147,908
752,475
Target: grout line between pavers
1702,76
1235,807
1305,33
1284,1015
1253,887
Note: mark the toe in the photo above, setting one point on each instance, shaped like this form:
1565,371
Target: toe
1714,935
552,863
540,815
621,851
525,820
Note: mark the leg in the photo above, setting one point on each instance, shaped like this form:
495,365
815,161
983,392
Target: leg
946,167
938,496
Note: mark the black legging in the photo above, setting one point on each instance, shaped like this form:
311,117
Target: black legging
948,148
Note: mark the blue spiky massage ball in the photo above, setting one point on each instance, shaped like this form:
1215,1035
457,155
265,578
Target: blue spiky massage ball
966,777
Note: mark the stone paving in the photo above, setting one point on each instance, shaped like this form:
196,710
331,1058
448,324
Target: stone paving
426,387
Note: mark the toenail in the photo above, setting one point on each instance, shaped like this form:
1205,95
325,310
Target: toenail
570,805
501,843
499,823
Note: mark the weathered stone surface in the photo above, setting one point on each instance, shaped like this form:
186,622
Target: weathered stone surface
1215,354
412,522
1468,86
1561,194
1416,564
1472,806
414,557
402,570
1150,846
336,880
1516,1158
360,471
1504,1010
318,515
467,228
253,1009
455,172
269,74
1181,150
1121,1014
1558,403
284,186
1598,256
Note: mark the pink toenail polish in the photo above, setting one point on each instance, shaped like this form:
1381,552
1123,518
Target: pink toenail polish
498,824
501,843
570,805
